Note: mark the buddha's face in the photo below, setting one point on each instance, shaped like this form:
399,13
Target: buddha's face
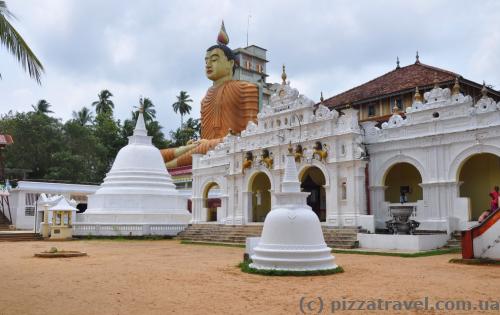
217,67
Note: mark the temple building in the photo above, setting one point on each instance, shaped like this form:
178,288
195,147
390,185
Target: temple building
376,98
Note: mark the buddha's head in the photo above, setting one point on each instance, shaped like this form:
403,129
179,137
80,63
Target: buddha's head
219,64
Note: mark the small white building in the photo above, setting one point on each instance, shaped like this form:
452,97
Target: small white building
23,200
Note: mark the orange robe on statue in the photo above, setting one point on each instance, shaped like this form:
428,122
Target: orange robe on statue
230,105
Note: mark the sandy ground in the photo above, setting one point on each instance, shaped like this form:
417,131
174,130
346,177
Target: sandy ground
165,277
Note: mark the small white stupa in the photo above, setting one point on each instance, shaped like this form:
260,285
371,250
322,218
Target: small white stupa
292,238
137,196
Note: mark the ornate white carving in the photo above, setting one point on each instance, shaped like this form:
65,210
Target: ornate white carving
485,105
395,121
437,95
322,113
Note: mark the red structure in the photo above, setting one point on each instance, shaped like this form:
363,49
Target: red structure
469,235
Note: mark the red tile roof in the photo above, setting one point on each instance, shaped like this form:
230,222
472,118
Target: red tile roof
399,79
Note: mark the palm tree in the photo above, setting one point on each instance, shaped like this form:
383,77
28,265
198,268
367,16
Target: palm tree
148,111
182,105
42,107
83,117
13,41
104,104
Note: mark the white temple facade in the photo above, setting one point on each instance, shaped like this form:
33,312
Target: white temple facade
442,155
248,169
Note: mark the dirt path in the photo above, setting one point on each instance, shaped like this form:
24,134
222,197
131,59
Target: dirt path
164,277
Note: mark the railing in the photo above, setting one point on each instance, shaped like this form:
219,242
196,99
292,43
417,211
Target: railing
469,235
88,229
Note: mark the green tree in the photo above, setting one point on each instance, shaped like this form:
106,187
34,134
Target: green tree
13,41
194,124
104,104
181,136
42,107
83,117
36,139
182,105
153,127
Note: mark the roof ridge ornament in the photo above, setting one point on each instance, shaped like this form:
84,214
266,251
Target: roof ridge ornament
417,59
397,62
321,99
456,87
283,75
418,97
484,90
436,81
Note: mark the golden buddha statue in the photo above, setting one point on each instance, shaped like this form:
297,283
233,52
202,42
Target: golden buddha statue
227,106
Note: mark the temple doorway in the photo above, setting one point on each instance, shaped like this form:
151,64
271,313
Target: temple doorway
313,181
211,201
478,175
260,186
403,183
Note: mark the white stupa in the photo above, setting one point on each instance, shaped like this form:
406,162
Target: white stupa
292,238
137,196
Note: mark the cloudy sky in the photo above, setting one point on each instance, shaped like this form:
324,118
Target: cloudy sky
156,48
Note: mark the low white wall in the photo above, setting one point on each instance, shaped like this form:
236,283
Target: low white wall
93,229
402,242
487,245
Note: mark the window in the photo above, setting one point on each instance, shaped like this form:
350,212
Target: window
30,204
371,110
248,64
343,191
399,103
260,69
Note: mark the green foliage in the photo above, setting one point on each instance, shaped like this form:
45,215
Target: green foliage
42,107
245,267
16,45
104,105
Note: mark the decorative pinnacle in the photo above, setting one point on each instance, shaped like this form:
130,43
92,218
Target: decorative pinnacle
436,81
222,37
417,58
456,87
484,90
418,97
395,109
397,62
321,99
283,75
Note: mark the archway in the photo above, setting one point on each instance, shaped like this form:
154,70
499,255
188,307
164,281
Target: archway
478,175
313,181
403,178
260,186
211,201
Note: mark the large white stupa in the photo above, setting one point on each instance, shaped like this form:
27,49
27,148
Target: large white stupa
292,238
137,196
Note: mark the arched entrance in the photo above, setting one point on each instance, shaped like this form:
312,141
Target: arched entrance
260,186
313,181
211,201
403,178
478,175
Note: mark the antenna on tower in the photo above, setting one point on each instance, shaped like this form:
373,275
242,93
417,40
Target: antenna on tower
248,26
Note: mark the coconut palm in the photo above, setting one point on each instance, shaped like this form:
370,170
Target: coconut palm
13,41
42,107
83,117
148,111
182,105
104,104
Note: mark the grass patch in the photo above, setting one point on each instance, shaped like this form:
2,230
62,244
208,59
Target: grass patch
434,252
245,267
212,244
480,261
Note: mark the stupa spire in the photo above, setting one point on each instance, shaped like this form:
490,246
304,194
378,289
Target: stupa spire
283,75
291,177
140,126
